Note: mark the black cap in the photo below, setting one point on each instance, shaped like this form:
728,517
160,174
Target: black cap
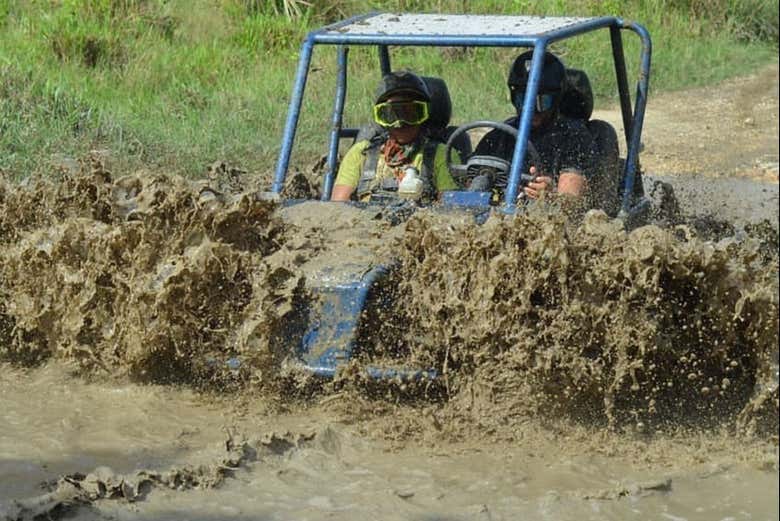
553,73
402,82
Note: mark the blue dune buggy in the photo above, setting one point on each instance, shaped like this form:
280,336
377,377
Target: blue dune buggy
333,319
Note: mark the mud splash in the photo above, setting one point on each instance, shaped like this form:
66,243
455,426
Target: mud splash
536,314
519,431
167,280
145,275
545,328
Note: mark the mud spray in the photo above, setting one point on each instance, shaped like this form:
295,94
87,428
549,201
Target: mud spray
148,276
165,281
539,314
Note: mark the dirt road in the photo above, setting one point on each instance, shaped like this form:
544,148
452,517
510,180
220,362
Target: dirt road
709,141
727,130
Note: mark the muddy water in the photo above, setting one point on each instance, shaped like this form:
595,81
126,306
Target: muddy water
328,469
55,423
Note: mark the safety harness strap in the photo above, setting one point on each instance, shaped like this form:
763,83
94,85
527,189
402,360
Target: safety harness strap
369,170
429,156
369,173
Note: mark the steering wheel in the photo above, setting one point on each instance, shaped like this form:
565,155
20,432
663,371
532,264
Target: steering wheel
478,164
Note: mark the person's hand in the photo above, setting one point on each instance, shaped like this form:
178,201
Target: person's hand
534,189
342,193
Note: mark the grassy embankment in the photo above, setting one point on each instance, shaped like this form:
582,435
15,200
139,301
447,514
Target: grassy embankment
175,85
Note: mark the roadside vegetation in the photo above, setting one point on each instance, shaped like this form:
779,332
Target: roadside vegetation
174,85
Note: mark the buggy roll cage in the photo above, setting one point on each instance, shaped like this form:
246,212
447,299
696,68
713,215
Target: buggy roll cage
385,29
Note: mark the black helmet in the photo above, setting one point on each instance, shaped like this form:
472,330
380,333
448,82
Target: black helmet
553,73
402,81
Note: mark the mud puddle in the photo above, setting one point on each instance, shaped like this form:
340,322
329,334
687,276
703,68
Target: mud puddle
305,465
354,481
55,424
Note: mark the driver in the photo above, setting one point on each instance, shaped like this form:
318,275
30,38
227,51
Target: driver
566,147
385,166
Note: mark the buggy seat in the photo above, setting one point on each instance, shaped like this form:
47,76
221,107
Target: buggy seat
577,103
438,124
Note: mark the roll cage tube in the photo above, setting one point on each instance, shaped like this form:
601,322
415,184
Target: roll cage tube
634,139
292,116
524,130
339,34
335,130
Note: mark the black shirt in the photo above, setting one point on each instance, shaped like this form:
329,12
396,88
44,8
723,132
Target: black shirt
565,144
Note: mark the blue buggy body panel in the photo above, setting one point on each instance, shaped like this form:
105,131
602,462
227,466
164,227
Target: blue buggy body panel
333,322
329,340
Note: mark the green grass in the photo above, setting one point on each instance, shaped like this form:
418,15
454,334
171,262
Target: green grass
175,85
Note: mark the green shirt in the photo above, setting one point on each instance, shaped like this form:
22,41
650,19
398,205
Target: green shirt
351,167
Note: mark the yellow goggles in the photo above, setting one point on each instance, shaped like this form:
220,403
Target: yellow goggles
394,114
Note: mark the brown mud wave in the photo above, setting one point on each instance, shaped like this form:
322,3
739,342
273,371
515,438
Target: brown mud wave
535,314
144,275
164,279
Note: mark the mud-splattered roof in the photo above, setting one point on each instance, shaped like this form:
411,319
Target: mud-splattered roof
390,24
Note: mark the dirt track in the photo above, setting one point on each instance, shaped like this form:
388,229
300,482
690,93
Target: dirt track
717,146
727,130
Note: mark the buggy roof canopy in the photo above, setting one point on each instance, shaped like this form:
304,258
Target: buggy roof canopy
456,29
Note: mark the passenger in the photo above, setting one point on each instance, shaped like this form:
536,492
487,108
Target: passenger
567,149
378,168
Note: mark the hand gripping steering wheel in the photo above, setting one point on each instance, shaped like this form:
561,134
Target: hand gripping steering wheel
493,171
